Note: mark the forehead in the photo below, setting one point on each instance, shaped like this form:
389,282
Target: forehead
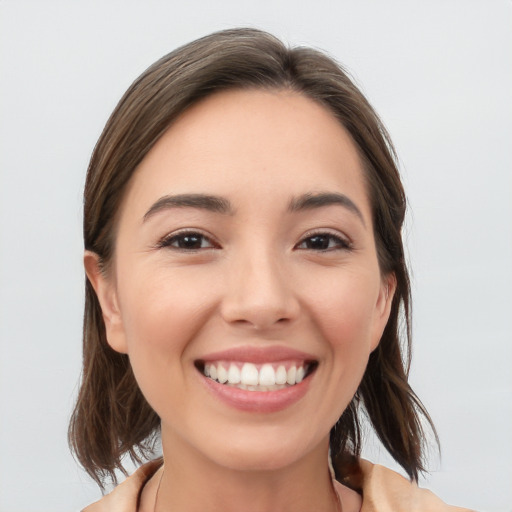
272,143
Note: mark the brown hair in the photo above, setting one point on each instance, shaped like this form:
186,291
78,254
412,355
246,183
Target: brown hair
111,417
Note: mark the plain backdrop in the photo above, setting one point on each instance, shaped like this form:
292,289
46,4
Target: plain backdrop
440,75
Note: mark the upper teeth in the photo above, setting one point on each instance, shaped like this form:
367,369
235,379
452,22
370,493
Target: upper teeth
249,374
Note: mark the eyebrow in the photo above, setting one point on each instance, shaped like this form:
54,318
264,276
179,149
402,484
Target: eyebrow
214,204
318,200
221,205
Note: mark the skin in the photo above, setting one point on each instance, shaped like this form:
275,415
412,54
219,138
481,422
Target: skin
256,278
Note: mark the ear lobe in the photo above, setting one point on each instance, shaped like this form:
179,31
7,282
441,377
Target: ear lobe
106,293
383,308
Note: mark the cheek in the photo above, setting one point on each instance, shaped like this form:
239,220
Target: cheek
161,308
346,313
160,317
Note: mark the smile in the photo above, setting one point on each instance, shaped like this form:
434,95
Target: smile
258,377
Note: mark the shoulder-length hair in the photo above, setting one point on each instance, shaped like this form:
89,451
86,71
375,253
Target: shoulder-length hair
111,417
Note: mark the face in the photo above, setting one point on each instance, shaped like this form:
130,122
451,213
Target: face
245,285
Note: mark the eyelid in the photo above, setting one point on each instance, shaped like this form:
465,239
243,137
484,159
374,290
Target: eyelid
165,241
346,241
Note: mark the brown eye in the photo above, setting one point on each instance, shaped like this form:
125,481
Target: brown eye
189,241
323,242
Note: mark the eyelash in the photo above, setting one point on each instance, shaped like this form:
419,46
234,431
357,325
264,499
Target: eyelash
340,243
181,236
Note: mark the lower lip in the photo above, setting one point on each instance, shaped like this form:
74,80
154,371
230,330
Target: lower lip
258,401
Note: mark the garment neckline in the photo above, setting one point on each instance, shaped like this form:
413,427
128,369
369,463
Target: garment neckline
346,496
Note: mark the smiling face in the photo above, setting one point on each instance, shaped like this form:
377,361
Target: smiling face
245,285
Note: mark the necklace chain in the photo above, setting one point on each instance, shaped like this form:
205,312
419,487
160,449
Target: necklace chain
158,490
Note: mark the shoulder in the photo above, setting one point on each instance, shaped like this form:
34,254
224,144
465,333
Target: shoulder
385,490
125,497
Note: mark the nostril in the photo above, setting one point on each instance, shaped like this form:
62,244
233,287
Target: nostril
257,295
260,322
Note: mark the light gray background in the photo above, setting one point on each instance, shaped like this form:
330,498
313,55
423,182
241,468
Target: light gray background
438,72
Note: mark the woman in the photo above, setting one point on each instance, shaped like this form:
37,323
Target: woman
246,275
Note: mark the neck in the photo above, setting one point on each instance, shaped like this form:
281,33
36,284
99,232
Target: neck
192,483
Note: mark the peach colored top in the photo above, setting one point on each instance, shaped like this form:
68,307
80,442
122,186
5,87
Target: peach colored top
383,491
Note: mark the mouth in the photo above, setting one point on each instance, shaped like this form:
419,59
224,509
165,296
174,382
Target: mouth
261,376
262,380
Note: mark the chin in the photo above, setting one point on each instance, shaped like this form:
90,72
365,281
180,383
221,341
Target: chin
266,453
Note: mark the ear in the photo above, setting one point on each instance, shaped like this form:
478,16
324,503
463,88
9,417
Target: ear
105,288
383,308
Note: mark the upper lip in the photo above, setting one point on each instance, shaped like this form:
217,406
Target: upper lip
252,354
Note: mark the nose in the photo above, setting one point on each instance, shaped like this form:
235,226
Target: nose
259,294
